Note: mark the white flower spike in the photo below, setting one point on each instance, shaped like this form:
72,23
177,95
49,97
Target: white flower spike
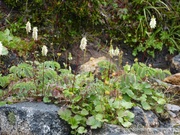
28,27
35,33
44,50
83,43
116,51
153,22
111,51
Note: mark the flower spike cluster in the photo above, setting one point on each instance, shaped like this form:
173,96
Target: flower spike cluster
153,22
113,52
35,33
34,36
28,27
83,44
44,50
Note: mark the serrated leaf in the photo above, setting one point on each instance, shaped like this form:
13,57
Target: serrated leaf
84,112
126,105
65,114
73,122
120,119
161,101
148,91
145,105
78,117
126,124
143,98
81,130
76,99
127,68
93,123
100,117
129,114
46,100
159,109
130,93
99,108
116,104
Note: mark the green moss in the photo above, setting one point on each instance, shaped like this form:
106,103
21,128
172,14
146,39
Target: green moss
11,118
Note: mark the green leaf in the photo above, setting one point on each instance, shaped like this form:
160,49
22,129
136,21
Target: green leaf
84,112
76,99
130,93
78,117
126,124
65,114
100,108
161,101
116,104
148,91
93,123
73,122
159,109
143,98
100,117
126,105
145,105
120,119
127,68
46,100
129,114
81,130
2,103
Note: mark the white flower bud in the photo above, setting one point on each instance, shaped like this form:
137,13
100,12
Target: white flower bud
35,33
83,43
111,51
28,27
44,50
153,22
116,51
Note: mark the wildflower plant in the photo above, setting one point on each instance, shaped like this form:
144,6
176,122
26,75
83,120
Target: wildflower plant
152,22
83,45
44,50
28,27
35,33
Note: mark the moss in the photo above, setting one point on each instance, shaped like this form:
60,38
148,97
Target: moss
11,118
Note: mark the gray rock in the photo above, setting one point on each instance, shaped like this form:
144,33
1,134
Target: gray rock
30,118
175,64
174,108
145,123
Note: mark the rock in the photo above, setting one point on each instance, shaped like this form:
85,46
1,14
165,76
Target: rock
175,64
145,123
30,118
173,110
173,79
144,119
92,64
